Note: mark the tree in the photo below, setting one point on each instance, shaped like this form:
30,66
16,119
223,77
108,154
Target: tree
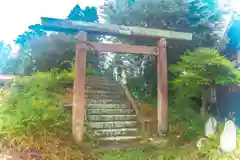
202,18
8,61
89,14
206,17
50,51
199,70
33,33
5,53
232,43
204,66
42,52
195,16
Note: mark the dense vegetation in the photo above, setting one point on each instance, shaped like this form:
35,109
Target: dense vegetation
32,115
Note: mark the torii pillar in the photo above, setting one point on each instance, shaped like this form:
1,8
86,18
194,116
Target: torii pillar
162,87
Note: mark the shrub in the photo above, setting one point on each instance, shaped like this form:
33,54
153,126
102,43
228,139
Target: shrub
32,115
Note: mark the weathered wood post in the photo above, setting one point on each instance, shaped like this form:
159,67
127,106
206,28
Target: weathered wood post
79,88
162,81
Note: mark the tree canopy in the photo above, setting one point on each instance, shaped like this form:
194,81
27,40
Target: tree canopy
89,14
42,52
203,18
28,35
5,58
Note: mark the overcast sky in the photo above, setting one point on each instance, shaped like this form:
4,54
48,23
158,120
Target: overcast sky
17,15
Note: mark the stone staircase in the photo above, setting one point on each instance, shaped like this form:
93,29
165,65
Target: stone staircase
109,114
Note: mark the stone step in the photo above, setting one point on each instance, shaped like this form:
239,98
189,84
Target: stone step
93,81
104,88
120,138
102,106
115,132
100,79
102,92
107,118
104,96
110,111
97,78
67,104
108,106
116,124
103,85
106,101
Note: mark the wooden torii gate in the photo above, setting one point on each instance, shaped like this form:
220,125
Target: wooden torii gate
82,28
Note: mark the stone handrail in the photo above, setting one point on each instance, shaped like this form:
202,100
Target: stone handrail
145,123
121,77
132,101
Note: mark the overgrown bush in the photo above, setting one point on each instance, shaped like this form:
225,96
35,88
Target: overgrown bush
32,115
198,70
194,72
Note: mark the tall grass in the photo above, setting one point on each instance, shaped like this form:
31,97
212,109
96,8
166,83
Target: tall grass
32,115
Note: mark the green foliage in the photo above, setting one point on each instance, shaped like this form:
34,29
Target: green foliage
36,100
199,70
136,153
90,71
32,113
206,17
10,61
230,47
89,14
5,55
205,66
49,52
135,84
186,121
188,16
41,52
203,18
34,33
198,9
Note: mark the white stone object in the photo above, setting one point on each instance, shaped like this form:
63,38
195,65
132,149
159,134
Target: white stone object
228,138
124,77
210,127
123,81
115,74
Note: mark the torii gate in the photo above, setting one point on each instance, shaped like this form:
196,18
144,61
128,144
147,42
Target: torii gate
82,28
